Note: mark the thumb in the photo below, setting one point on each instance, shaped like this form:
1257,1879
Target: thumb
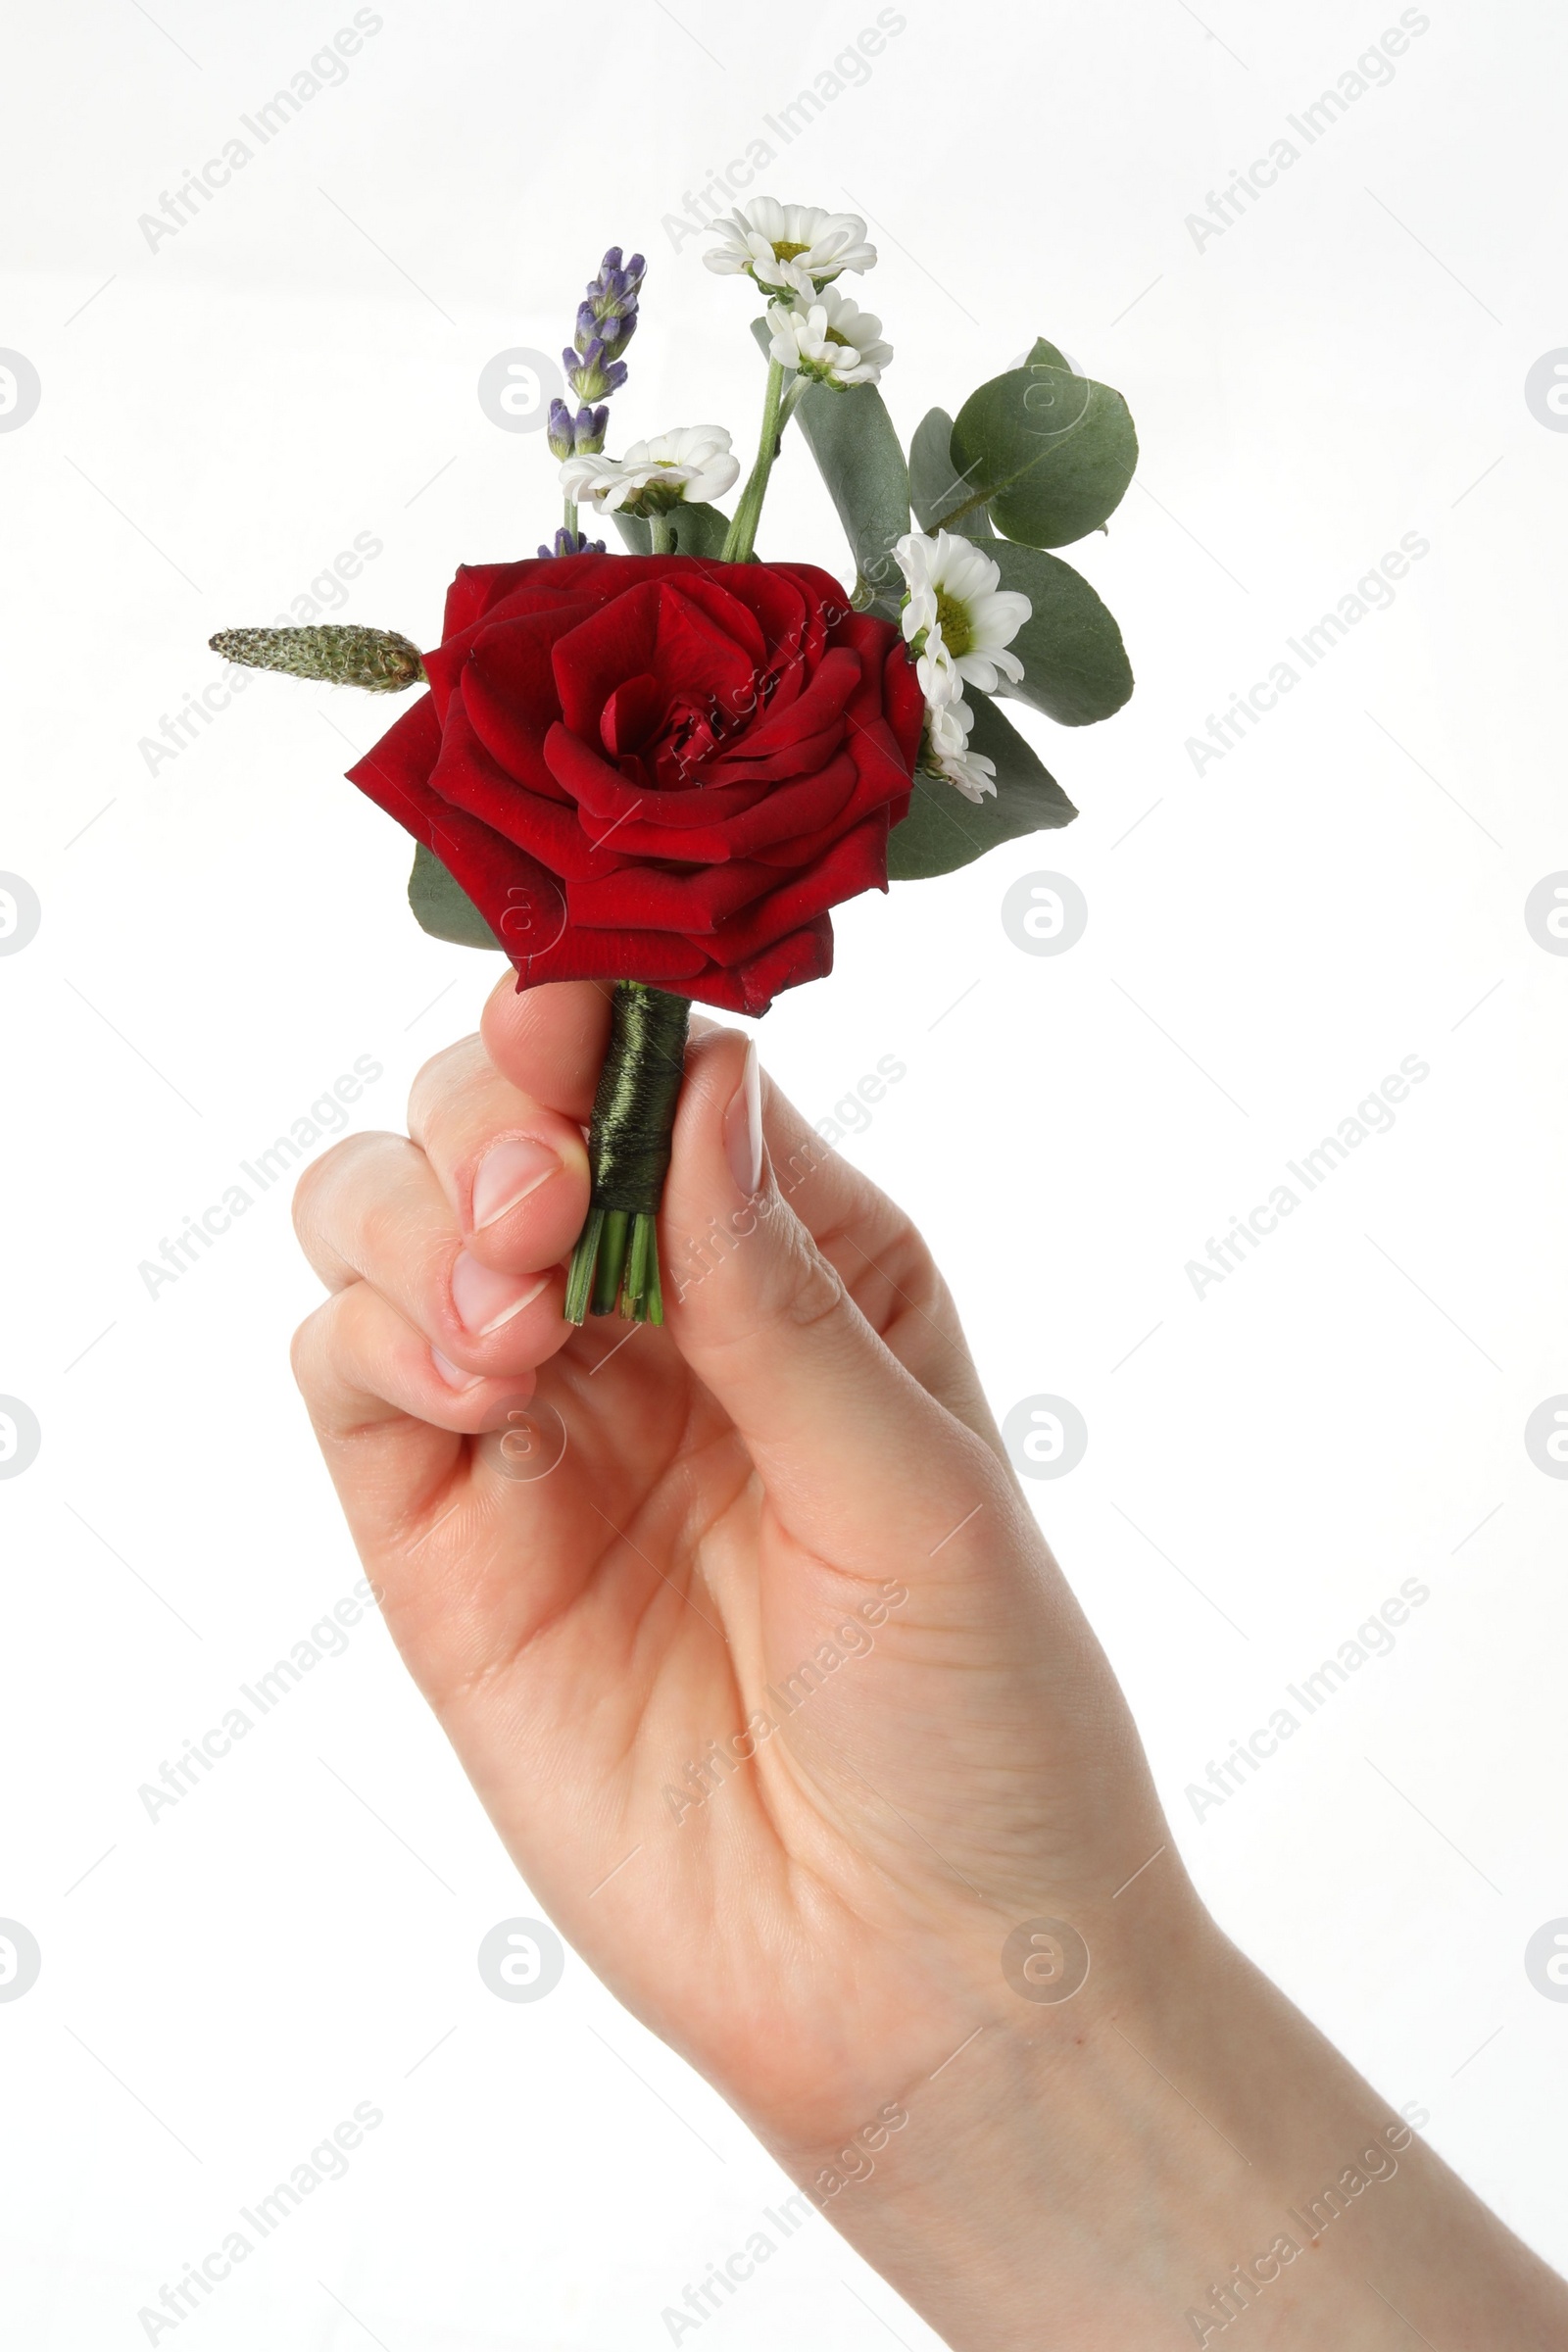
854,1453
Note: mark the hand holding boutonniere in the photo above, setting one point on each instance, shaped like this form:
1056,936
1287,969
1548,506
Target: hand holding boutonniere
663,768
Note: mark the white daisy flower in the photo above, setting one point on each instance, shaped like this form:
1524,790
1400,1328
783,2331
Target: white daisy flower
693,464
956,615
795,247
828,339
947,722
944,752
970,773
937,674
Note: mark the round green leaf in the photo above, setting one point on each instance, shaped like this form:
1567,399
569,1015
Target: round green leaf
697,530
1075,665
1052,453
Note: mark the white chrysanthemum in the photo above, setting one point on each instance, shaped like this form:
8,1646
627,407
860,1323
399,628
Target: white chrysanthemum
829,340
938,678
692,464
970,773
795,247
948,722
955,614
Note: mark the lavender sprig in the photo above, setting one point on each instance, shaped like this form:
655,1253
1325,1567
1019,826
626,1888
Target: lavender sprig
573,437
606,320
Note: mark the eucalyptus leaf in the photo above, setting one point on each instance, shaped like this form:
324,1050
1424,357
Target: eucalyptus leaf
443,908
1045,355
1051,451
850,435
697,530
944,831
1075,665
849,432
936,486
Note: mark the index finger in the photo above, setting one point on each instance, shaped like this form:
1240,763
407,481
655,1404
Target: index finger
550,1041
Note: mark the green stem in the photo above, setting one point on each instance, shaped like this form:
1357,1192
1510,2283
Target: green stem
662,534
571,516
945,522
612,1260
741,537
584,1260
793,398
617,1257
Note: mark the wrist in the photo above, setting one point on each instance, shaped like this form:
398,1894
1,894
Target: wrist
1167,2153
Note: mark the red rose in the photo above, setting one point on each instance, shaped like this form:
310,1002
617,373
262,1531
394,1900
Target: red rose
656,768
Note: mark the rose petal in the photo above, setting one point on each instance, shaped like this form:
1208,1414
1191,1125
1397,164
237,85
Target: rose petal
666,899
536,767
606,797
467,776
751,987
509,691
857,861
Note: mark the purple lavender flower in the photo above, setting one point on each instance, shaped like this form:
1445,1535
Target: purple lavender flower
606,320
587,373
583,434
573,543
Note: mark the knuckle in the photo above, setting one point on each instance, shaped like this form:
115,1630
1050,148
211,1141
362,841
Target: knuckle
318,1177
305,1346
806,1290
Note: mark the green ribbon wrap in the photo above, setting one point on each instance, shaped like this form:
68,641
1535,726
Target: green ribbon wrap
617,1257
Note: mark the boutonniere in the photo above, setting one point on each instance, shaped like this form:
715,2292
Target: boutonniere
661,768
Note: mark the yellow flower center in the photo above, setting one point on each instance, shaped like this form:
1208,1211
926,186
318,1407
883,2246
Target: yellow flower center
789,253
952,620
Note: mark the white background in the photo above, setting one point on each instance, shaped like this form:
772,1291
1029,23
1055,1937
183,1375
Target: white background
221,416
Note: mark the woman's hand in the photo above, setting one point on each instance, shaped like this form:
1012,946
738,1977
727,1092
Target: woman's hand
616,1555
754,1655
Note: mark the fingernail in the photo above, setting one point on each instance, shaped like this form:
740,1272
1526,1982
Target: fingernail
508,1173
743,1127
452,1374
485,1300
